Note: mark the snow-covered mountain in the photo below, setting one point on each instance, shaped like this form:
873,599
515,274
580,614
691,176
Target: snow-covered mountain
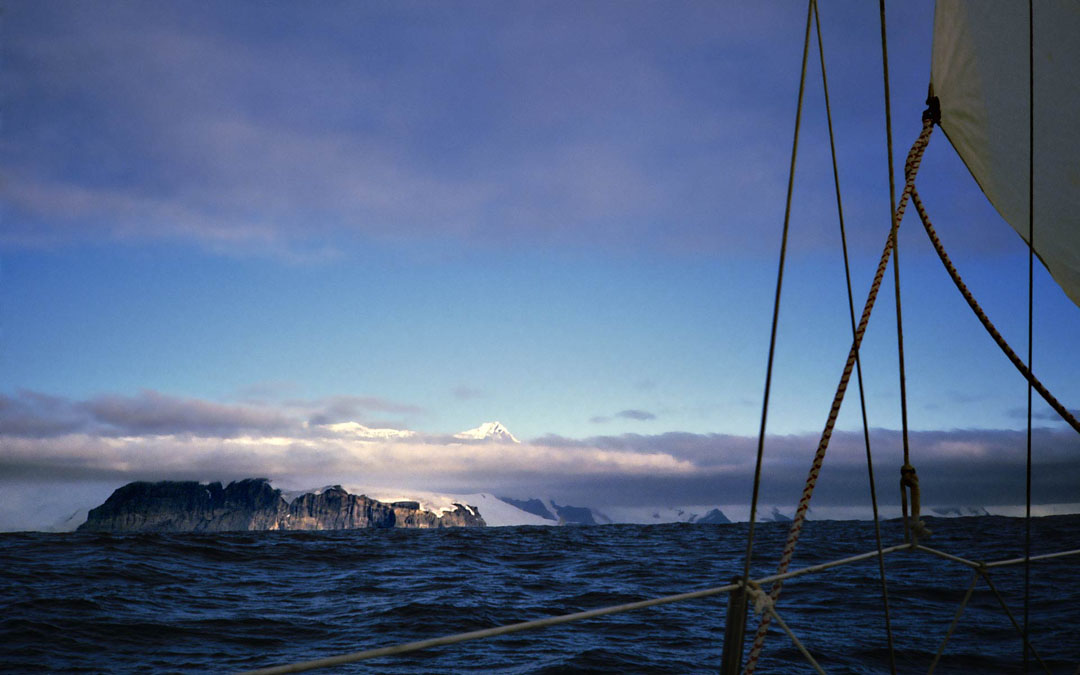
489,431
494,511
657,515
557,514
360,431
959,511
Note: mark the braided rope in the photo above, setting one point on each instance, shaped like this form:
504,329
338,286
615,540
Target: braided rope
911,168
985,320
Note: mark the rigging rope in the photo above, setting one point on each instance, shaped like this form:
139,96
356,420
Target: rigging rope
985,320
858,361
911,168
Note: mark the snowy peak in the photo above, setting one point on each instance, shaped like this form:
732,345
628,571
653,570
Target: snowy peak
367,433
489,431
959,511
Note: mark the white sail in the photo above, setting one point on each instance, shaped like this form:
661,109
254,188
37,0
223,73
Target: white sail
980,75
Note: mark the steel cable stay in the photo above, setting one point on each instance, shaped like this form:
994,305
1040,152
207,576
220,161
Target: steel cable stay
858,361
776,302
981,570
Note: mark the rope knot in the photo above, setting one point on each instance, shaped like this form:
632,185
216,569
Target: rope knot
909,482
763,602
909,477
932,113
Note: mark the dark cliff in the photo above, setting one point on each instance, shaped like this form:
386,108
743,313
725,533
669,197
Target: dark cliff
252,504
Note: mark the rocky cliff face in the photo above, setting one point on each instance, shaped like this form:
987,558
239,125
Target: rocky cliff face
461,516
252,504
336,509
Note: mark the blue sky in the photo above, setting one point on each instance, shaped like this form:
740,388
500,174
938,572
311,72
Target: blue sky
563,216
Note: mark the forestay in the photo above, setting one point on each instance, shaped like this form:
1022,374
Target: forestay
980,75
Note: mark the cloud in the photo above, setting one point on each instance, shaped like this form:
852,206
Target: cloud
182,124
635,415
306,133
152,434
965,396
152,413
149,413
333,409
464,393
323,456
35,415
630,414
1042,413
956,466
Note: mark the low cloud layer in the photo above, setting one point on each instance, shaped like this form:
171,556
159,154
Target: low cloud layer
156,436
153,436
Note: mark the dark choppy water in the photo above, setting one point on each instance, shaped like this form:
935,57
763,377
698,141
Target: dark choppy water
196,603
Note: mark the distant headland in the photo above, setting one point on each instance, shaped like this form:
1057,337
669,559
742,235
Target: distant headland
252,504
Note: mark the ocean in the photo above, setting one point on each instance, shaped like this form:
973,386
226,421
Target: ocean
103,603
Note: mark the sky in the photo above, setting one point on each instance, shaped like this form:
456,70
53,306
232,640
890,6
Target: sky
228,226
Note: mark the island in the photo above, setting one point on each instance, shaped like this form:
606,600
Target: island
253,504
